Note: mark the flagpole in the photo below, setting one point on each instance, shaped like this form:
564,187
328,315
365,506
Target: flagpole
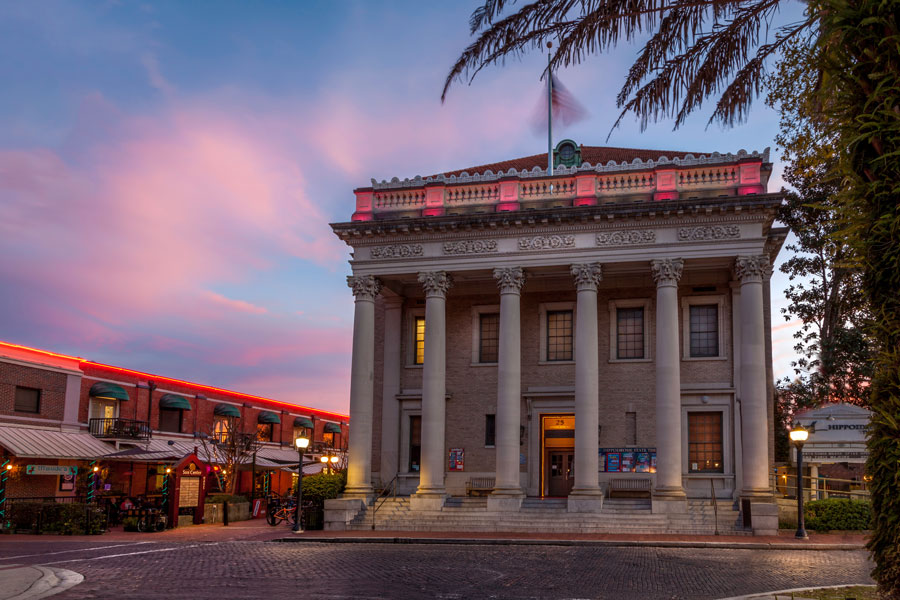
549,113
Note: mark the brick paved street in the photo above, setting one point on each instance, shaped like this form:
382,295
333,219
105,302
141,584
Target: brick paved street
249,569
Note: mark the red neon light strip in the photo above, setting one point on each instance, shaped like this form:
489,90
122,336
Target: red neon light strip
199,386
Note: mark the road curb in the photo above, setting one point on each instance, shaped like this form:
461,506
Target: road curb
531,542
52,581
763,595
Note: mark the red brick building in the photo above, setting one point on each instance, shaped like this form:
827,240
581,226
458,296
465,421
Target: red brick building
58,411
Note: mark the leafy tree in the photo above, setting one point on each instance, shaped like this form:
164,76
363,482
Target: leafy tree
704,48
834,348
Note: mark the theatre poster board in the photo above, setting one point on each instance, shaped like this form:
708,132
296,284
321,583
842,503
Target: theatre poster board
628,460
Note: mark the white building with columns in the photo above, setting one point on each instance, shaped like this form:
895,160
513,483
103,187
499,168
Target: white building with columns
528,336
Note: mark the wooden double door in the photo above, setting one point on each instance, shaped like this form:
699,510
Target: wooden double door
560,471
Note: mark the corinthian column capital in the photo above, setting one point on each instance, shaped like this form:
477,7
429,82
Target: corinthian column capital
364,287
666,271
435,283
587,276
509,279
752,268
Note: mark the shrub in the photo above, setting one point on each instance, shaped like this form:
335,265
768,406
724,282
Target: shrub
838,514
323,486
53,517
130,523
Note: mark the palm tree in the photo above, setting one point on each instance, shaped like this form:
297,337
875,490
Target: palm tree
699,48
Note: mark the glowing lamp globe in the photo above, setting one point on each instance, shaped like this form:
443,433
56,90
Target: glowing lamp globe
301,443
799,433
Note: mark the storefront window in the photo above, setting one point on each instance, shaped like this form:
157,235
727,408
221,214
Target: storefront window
222,426
705,442
264,432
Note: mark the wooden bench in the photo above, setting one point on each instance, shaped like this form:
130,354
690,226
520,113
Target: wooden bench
477,486
629,488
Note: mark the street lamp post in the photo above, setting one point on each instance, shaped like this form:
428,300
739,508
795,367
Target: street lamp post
302,444
330,461
798,436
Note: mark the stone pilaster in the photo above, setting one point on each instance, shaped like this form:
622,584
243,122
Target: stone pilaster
431,492
507,494
668,495
586,495
362,374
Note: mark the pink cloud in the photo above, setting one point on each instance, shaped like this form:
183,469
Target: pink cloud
239,305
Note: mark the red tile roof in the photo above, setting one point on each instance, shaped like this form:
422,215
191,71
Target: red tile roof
591,154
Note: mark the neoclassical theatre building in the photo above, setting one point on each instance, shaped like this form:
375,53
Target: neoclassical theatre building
601,329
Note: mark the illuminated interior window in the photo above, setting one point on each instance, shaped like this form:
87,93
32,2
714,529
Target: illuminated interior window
420,340
705,442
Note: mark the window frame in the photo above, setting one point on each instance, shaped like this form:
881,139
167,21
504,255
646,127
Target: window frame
543,311
490,418
94,403
410,350
409,444
686,303
159,424
721,443
614,306
477,311
37,404
261,427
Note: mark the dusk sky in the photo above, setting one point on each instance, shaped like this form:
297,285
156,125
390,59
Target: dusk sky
168,171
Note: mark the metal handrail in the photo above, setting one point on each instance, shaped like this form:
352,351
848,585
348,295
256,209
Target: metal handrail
781,481
390,490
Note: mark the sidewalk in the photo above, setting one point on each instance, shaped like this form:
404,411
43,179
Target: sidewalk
817,541
24,582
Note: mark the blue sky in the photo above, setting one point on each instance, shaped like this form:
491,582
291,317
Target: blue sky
168,171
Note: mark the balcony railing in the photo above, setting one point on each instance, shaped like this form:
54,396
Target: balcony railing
120,429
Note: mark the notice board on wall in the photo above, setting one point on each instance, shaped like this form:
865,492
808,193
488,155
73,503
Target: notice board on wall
457,460
628,460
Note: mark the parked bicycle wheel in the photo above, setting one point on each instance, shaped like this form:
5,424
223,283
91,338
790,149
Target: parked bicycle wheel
271,517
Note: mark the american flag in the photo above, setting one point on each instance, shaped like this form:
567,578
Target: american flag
566,109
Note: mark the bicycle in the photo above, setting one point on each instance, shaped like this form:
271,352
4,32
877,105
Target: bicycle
286,512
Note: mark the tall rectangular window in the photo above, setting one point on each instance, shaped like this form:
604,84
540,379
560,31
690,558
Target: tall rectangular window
705,330
264,432
27,400
490,430
420,341
630,429
705,442
489,338
630,332
415,443
222,428
559,335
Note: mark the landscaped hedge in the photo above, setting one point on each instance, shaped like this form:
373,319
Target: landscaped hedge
838,514
54,517
323,486
222,498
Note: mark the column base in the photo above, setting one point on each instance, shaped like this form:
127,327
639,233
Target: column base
340,511
585,501
505,502
764,518
363,492
430,500
668,504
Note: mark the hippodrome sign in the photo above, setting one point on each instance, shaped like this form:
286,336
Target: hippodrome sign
50,470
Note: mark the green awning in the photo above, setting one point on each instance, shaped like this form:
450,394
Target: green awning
227,410
174,401
266,417
108,391
303,422
332,428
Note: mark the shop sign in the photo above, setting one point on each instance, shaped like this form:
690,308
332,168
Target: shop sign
457,459
50,470
628,460
191,470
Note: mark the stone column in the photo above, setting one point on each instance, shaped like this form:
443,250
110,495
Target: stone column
362,377
668,495
586,495
751,270
507,494
431,492
390,407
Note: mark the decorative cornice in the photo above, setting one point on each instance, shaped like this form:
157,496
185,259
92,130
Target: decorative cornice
708,232
610,167
666,271
435,283
587,276
509,279
628,237
365,287
397,251
752,268
547,242
470,247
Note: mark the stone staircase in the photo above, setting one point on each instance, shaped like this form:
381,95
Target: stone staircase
619,515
